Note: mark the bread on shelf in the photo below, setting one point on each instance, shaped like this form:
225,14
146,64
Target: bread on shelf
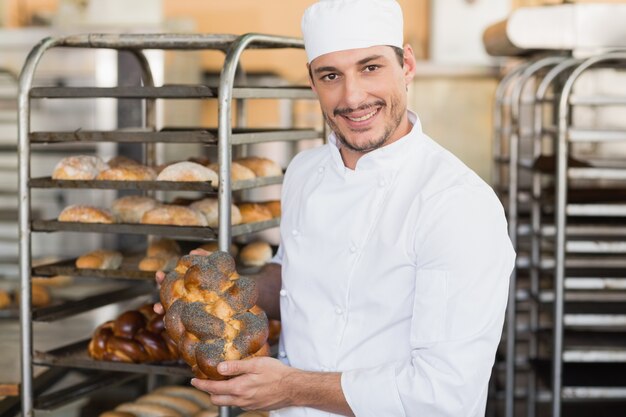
186,171
40,296
238,172
185,407
274,207
117,414
55,281
210,208
211,313
128,172
121,160
161,255
262,167
148,410
78,167
5,299
100,259
202,399
254,212
86,214
255,254
174,215
131,208
135,336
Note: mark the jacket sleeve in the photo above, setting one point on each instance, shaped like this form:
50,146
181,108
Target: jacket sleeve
463,263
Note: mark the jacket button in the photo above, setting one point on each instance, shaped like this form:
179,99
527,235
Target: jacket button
283,293
352,249
320,170
294,232
338,310
282,354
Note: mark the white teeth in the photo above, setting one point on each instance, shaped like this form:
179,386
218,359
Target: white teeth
360,119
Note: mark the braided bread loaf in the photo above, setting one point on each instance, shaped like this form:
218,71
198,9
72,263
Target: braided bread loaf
211,313
134,336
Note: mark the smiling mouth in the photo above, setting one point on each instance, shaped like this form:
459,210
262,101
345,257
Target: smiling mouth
364,117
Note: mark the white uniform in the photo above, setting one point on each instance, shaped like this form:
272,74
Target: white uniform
395,274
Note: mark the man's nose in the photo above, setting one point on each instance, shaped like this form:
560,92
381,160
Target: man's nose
354,92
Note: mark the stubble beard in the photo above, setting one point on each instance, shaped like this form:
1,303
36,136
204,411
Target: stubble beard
372,143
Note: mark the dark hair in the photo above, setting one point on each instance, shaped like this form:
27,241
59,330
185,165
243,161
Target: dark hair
399,55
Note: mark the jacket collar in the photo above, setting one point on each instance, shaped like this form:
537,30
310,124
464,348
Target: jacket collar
386,157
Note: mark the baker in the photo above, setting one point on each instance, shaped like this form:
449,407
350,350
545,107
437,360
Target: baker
392,274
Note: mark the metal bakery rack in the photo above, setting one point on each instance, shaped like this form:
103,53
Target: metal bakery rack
230,93
560,159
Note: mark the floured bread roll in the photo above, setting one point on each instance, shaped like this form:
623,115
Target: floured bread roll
255,254
130,209
209,207
148,410
200,398
174,215
238,172
274,207
214,247
157,263
254,212
128,172
182,405
262,167
5,299
86,214
120,160
100,259
39,296
188,172
79,167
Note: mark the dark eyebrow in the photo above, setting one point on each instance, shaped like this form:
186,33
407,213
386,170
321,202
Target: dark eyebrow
325,69
368,59
363,61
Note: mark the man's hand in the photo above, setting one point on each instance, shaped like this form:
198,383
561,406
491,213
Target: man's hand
257,384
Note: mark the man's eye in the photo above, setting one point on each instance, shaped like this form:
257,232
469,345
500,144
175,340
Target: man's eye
371,68
329,77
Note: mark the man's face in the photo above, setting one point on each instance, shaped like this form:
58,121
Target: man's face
362,93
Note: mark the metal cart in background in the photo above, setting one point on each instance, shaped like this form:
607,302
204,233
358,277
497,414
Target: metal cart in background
231,133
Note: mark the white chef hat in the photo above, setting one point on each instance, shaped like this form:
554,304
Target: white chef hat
337,25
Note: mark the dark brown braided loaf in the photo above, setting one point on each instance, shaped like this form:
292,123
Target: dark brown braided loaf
134,336
211,313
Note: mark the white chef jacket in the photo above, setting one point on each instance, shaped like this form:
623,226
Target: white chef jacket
395,274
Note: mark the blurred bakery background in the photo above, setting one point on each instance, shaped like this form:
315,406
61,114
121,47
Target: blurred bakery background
489,81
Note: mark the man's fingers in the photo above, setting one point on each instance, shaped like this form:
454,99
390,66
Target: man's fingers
213,387
158,308
159,276
200,252
236,367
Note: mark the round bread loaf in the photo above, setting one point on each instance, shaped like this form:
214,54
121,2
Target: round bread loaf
116,414
188,172
163,247
86,214
254,212
262,167
255,254
134,336
202,399
148,410
238,172
211,313
120,160
274,207
100,259
5,299
40,296
158,263
207,413
131,208
79,167
128,172
210,208
182,405
174,215
274,331
55,281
